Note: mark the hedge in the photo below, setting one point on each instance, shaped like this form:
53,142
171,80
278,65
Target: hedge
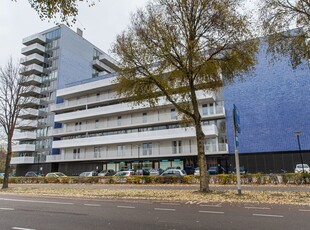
222,179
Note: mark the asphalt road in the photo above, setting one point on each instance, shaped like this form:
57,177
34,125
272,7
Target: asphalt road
38,213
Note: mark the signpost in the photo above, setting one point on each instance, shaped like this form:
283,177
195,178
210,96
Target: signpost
236,121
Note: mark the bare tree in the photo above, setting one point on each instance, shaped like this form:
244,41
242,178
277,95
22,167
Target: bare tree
11,103
175,48
278,18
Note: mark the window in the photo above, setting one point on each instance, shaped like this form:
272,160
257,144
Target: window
210,145
211,109
78,126
205,109
97,152
177,147
174,147
147,149
120,150
144,117
96,123
180,147
76,153
173,114
119,121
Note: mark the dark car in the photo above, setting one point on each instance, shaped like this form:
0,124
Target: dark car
144,172
216,170
243,170
190,170
33,174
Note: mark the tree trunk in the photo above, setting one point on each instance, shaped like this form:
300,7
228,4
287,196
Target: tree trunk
204,179
7,163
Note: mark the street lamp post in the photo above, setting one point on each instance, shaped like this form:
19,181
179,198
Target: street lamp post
297,134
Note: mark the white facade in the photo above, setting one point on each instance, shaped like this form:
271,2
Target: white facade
96,126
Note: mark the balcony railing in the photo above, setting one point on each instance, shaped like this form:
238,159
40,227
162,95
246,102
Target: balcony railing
22,160
33,48
134,152
27,124
31,91
32,69
30,80
24,148
36,38
32,59
24,135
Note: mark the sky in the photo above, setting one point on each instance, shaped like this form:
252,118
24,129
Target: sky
100,23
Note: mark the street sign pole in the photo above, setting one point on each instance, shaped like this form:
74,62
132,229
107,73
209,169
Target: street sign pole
236,120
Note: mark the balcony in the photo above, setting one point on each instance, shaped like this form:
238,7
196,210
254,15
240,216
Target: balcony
32,102
30,80
32,91
24,148
19,136
33,48
27,124
32,59
166,134
29,113
32,69
98,65
22,160
36,38
107,60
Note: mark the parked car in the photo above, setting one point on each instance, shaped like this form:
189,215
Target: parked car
55,174
156,172
190,170
107,172
144,172
33,174
243,170
87,174
125,173
1,175
299,168
197,172
174,172
216,170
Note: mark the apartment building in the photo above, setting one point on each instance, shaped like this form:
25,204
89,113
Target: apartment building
100,131
75,122
52,59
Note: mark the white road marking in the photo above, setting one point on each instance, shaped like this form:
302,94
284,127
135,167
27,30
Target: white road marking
210,205
304,210
265,215
212,212
263,208
18,228
10,209
126,207
37,201
170,203
93,205
164,209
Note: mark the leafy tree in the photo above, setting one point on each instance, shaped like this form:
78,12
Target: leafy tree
278,17
11,103
66,9
174,48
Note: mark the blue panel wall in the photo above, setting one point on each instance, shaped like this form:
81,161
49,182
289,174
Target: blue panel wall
272,105
76,56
